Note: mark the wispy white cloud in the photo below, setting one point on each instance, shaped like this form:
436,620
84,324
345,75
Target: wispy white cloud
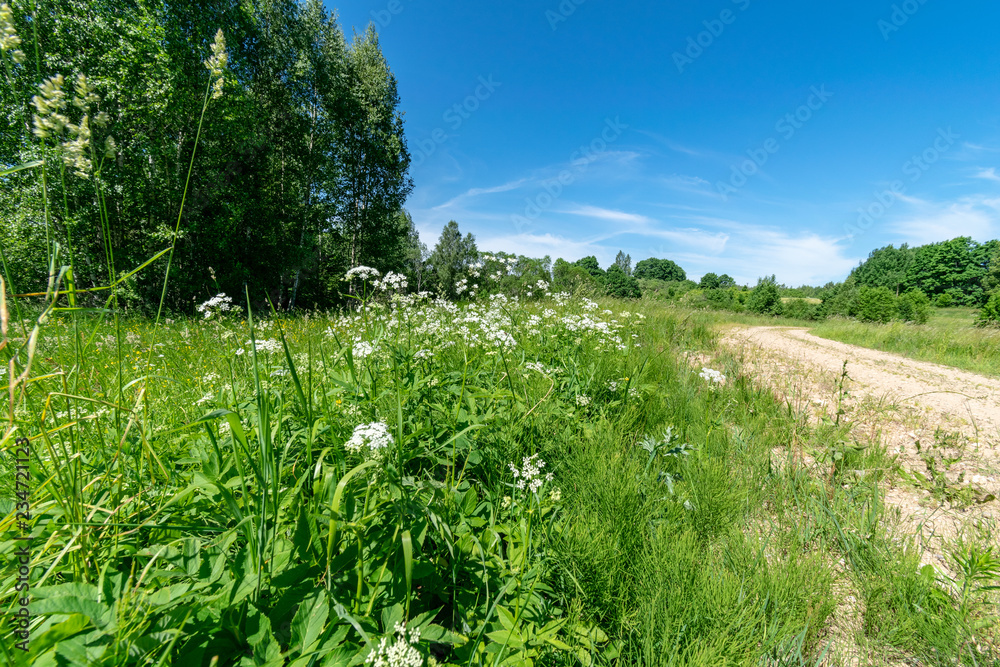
989,174
931,222
476,192
607,214
807,259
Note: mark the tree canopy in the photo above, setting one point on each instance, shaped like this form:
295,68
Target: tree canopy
301,164
659,269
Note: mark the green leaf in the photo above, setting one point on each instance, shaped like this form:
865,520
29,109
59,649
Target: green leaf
309,620
408,566
506,638
266,650
26,165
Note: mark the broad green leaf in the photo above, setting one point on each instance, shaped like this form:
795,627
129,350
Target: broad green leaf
309,620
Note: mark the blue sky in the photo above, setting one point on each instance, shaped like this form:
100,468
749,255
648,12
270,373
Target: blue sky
736,136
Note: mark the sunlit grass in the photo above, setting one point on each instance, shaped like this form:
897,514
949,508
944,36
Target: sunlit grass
949,338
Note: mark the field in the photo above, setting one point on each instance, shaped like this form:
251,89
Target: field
549,482
949,338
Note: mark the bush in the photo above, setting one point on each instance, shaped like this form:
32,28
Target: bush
875,304
765,298
802,309
945,300
620,285
989,314
914,306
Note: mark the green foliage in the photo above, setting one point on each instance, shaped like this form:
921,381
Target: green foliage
886,267
989,314
591,266
659,269
620,285
875,304
573,279
726,281
914,306
451,260
945,300
802,309
301,162
765,298
624,262
709,281
957,267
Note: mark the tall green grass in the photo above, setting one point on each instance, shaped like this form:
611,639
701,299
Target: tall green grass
219,513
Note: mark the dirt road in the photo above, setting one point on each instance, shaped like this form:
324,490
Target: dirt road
921,411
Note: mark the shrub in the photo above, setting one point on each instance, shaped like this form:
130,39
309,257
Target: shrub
802,309
945,300
989,314
620,285
765,298
875,304
914,306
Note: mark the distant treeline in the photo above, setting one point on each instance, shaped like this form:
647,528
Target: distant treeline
892,284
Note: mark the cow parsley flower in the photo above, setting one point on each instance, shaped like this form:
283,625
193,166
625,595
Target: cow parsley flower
220,303
401,653
529,476
369,439
538,367
392,281
362,272
362,350
583,400
712,376
269,345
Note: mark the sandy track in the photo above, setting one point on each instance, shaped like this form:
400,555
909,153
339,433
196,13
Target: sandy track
953,414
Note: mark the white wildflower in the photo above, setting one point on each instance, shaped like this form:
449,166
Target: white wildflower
369,439
391,282
712,376
582,400
538,367
529,476
362,350
401,653
220,303
362,272
269,345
